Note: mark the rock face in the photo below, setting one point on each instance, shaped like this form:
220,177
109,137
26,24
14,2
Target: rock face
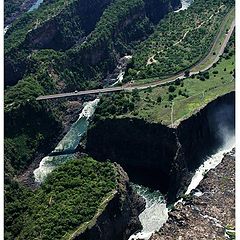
159,156
73,25
120,217
209,215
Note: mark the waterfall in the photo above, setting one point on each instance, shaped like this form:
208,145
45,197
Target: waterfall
210,163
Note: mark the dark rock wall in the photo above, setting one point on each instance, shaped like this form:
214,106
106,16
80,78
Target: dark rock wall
74,23
160,157
120,218
157,9
141,148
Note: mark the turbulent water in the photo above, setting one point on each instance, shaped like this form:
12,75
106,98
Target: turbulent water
6,29
185,4
78,129
210,163
68,144
121,69
155,214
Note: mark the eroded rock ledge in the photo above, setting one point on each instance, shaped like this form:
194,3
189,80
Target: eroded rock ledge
117,218
159,156
209,215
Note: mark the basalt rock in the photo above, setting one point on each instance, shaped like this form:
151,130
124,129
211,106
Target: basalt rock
159,156
208,215
119,219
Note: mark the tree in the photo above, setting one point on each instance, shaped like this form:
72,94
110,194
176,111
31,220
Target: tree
187,73
170,97
135,94
171,88
159,99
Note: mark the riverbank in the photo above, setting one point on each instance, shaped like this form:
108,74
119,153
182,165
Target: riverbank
70,115
22,8
209,212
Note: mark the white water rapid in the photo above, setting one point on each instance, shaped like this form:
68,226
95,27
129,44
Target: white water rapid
210,163
155,214
122,68
185,4
68,144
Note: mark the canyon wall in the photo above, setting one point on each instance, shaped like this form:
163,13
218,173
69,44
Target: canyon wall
158,156
119,219
92,36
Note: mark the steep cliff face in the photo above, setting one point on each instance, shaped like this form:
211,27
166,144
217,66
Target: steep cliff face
93,35
141,148
119,219
136,24
162,157
157,9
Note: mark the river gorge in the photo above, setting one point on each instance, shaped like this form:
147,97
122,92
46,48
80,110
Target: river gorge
162,162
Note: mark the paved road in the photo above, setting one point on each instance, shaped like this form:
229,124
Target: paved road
128,87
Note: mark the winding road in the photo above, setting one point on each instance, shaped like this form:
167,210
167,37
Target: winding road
130,87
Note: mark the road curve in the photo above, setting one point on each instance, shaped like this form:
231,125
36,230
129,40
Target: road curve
143,86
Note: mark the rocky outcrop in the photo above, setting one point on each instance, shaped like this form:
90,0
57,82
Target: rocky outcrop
157,9
69,28
158,156
209,212
119,218
100,58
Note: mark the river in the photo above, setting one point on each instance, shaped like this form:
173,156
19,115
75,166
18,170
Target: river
156,212
66,147
33,7
185,4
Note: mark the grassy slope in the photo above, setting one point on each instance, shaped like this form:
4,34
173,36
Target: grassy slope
207,60
171,103
171,58
199,93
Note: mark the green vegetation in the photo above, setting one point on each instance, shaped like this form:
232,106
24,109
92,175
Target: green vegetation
32,20
116,104
179,41
97,52
227,21
171,103
29,125
69,197
11,7
89,46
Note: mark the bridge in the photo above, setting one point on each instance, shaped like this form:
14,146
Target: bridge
129,87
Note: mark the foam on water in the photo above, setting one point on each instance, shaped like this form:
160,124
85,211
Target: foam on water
210,163
121,74
78,129
185,4
48,164
68,144
154,215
